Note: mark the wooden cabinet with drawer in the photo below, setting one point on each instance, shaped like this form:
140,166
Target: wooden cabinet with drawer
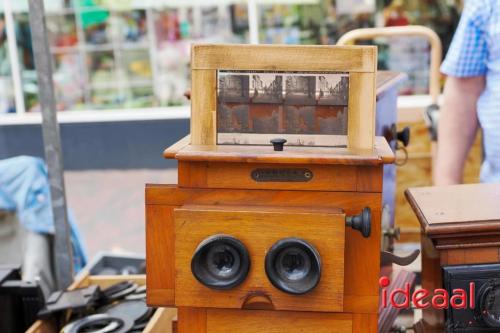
261,237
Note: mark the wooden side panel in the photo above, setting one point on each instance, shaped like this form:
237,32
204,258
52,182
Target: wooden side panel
192,320
160,268
369,178
193,174
259,230
361,122
203,106
219,321
362,267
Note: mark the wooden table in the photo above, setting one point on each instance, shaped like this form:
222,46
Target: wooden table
460,225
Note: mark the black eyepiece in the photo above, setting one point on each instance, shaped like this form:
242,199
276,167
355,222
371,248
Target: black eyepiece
293,266
220,262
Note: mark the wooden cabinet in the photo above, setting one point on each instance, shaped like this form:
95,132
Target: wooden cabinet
328,198
460,226
258,228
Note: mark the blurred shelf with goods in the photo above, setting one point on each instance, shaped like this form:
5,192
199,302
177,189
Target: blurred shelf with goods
135,54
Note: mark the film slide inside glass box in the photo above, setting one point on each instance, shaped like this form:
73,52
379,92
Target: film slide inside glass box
307,109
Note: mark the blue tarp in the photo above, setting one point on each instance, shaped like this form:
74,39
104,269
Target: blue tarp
24,188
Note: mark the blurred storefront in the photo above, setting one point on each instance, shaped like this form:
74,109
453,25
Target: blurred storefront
135,54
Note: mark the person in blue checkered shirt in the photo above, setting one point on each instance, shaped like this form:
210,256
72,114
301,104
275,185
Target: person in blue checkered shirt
471,94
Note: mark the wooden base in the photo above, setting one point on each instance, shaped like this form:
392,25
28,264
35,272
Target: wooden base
201,320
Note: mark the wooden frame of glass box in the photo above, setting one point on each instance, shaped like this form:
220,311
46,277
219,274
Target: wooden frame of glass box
216,193
360,62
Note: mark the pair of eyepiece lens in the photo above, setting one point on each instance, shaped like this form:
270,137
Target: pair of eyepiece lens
222,262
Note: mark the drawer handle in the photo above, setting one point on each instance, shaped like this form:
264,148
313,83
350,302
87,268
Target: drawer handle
361,222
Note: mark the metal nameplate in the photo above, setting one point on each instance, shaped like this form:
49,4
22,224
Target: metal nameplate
282,175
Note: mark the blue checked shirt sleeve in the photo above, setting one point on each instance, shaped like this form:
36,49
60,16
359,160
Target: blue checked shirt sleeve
468,53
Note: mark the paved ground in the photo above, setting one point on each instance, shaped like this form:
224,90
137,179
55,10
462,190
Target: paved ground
109,206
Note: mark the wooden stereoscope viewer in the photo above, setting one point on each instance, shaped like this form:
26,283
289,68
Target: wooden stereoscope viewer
274,225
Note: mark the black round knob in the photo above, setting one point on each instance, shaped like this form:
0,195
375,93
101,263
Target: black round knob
293,266
220,262
404,136
361,222
278,144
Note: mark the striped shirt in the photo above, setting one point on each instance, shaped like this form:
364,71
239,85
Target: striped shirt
475,51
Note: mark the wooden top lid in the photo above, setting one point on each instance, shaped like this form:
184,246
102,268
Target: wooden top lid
457,210
183,151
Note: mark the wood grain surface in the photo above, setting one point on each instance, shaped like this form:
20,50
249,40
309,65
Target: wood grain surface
380,154
361,119
173,149
457,209
203,107
360,281
259,228
160,270
219,321
284,57
239,176
359,61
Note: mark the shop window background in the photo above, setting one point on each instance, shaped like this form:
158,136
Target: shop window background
111,54
7,104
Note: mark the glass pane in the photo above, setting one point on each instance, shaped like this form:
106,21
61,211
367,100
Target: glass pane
62,30
69,81
172,29
106,98
95,24
140,97
101,66
171,25
6,87
136,64
309,108
132,26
